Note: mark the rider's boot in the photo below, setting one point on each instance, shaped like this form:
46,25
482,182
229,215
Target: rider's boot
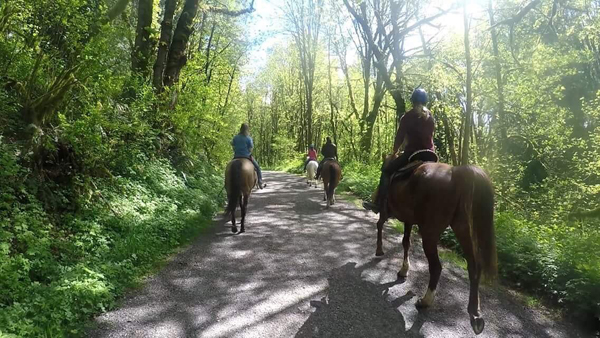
262,184
381,198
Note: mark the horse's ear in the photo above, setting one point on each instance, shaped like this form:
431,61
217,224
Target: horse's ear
383,156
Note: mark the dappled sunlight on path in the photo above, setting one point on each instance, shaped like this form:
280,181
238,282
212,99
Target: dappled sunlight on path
303,271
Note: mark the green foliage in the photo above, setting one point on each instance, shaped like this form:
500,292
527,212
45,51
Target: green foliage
57,272
360,179
101,176
294,166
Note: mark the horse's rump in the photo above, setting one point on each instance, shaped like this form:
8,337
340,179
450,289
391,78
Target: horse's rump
426,195
331,172
240,178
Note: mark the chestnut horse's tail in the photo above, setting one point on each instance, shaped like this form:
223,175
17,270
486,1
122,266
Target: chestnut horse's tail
235,186
478,201
332,180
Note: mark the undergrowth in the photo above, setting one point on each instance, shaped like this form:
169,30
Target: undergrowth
59,269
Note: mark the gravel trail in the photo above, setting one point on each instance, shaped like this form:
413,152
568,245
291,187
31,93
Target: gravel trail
302,271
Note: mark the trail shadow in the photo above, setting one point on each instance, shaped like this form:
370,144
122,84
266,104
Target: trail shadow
294,255
355,307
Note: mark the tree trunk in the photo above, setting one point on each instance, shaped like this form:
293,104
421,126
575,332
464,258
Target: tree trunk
177,58
371,118
140,60
117,9
499,83
464,159
306,18
449,138
166,32
332,115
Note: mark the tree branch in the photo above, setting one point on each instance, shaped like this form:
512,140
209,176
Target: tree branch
229,12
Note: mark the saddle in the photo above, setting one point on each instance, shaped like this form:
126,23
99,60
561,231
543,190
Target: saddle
414,161
244,158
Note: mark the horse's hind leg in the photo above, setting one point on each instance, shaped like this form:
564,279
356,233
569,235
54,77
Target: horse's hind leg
244,208
464,238
333,197
403,273
233,226
435,268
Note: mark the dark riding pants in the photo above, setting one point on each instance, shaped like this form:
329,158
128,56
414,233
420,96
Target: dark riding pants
306,162
396,164
321,165
386,174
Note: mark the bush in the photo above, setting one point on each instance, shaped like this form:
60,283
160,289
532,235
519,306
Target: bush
59,270
360,179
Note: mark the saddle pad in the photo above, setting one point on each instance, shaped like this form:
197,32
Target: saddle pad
406,171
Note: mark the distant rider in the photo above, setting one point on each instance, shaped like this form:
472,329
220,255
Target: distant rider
312,155
242,148
329,151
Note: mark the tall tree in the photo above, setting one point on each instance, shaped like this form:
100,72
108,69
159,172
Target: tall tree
140,59
394,22
499,116
177,56
305,18
166,33
464,158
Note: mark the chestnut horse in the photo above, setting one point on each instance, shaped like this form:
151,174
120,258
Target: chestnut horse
240,178
437,195
331,174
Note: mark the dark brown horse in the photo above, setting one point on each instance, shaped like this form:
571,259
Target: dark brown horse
331,174
240,178
437,195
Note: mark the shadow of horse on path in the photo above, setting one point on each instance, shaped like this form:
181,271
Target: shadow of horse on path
355,307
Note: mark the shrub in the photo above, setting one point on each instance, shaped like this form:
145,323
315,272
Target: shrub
58,270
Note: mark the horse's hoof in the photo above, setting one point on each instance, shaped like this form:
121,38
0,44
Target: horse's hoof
234,229
426,301
420,304
477,323
379,252
403,273
242,230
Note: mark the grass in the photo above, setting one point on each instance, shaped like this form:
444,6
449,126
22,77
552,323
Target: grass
61,272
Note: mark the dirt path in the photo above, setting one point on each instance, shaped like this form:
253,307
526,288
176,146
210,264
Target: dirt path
301,271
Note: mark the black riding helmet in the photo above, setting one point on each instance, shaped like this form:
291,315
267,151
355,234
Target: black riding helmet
419,96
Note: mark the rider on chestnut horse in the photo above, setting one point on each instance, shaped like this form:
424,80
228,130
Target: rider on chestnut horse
242,148
414,133
329,151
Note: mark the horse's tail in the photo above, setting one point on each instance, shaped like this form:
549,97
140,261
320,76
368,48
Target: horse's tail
480,200
333,179
235,186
